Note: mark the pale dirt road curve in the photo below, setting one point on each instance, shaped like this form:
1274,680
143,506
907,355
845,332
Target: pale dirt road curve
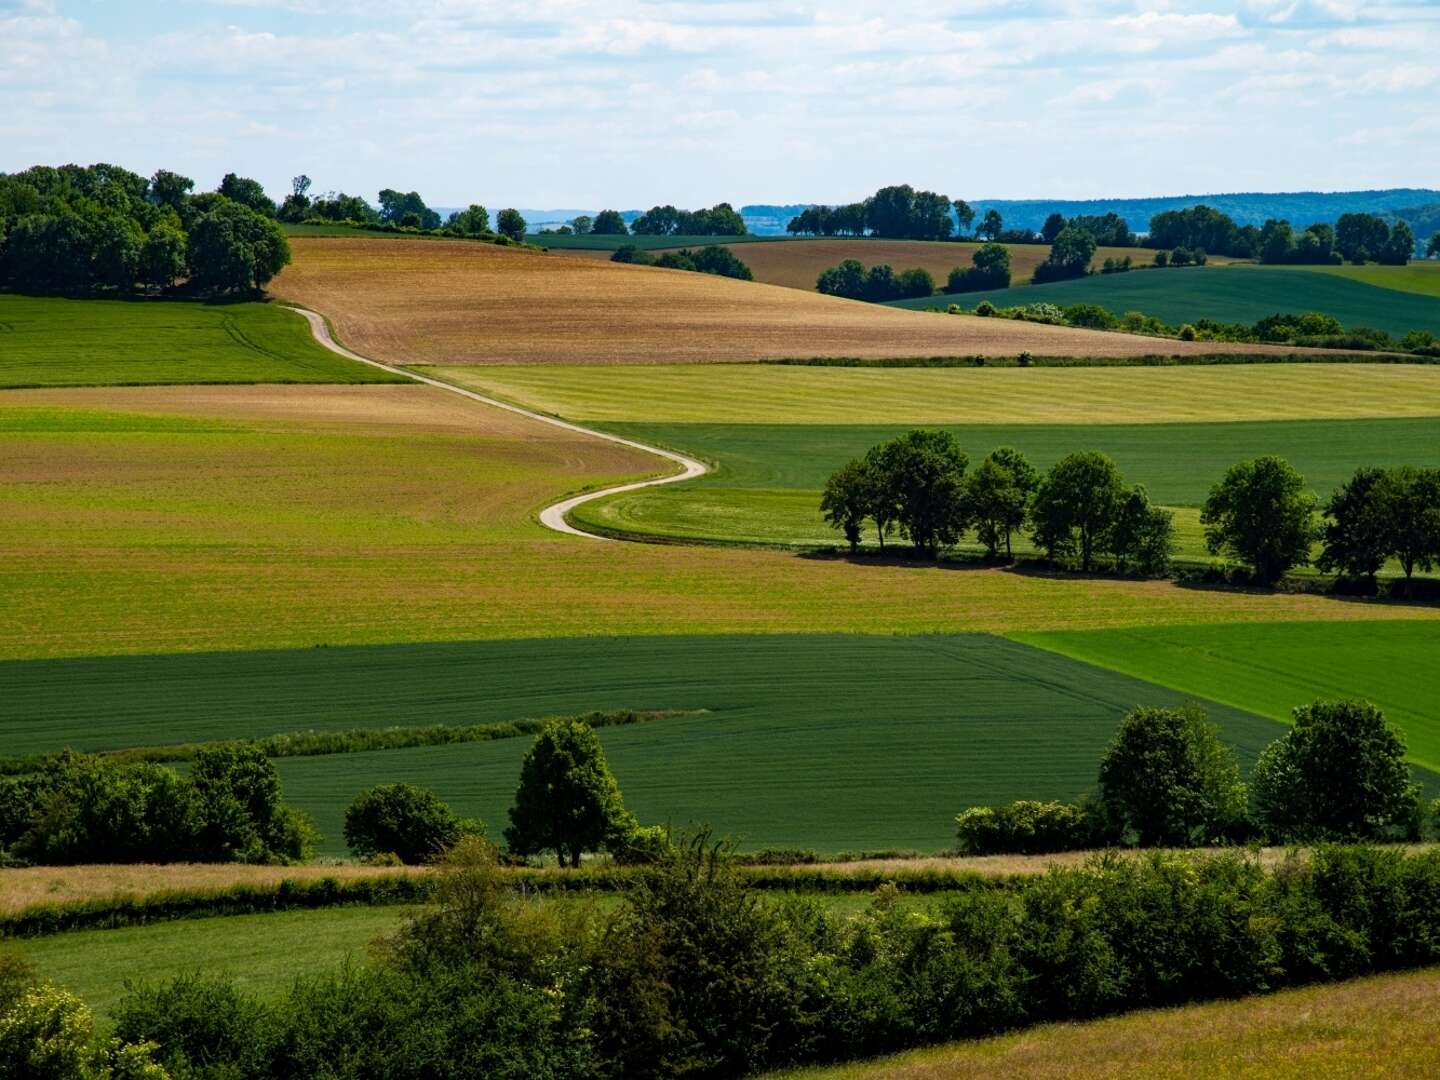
553,516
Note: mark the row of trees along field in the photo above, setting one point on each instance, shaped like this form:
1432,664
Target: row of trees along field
710,259
1354,238
719,220
397,211
80,229
1166,780
1081,510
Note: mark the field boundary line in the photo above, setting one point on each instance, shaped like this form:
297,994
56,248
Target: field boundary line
553,516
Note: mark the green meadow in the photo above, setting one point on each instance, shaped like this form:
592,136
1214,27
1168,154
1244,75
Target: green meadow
1418,277
48,341
827,741
1225,294
1270,669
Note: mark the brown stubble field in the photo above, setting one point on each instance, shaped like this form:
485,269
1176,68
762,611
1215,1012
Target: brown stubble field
796,264
453,302
353,515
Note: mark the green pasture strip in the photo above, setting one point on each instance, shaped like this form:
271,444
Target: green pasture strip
49,341
1177,463
264,954
595,242
1269,669
1225,294
317,743
876,744
1418,277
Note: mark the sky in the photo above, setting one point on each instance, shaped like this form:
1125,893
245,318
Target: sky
626,103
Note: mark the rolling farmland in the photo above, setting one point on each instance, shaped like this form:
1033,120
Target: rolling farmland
430,301
1235,294
1419,277
46,341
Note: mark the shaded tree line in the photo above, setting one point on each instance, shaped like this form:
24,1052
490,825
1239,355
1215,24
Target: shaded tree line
720,220
896,212
1355,238
100,228
851,280
1166,779
712,259
917,485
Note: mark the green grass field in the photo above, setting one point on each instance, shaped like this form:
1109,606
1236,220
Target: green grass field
264,954
1418,277
1268,670
45,341
824,741
1225,294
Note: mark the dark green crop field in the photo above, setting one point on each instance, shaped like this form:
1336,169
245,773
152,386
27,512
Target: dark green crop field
826,741
49,341
1270,669
1243,295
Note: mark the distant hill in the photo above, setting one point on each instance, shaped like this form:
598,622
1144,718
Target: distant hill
1247,208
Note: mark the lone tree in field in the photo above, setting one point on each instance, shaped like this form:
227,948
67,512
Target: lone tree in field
401,819
511,224
846,500
1338,774
1168,778
1261,514
998,497
1075,504
567,801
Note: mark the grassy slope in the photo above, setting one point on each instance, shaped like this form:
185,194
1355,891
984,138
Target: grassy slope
1418,277
825,741
45,341
1225,294
1376,1027
777,394
1268,670
263,953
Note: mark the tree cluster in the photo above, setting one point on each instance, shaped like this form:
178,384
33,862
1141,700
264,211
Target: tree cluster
1379,515
720,220
712,259
990,269
406,209
1167,780
878,284
1355,238
1080,509
1203,228
896,212
82,808
100,228
1070,254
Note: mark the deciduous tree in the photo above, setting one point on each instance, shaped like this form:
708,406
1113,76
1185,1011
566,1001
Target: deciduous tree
1075,504
1261,514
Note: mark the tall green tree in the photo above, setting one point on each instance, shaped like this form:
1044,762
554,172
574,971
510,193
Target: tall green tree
162,258
170,189
1407,501
1339,773
1359,237
1075,504
922,474
1052,227
609,223
472,221
1261,514
998,497
1399,248
582,224
964,214
1142,536
511,224
1357,535
234,249
991,225
568,801
247,192
1167,778
845,502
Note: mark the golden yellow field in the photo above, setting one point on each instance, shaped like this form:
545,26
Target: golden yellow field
163,519
797,263
1380,1027
452,302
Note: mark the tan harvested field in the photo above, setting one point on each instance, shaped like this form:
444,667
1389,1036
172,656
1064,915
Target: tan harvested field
1381,1027
28,886
159,519
796,264
442,302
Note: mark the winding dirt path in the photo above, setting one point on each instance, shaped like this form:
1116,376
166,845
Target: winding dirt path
553,516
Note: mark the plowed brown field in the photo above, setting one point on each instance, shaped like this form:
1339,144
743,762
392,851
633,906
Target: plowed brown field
430,302
797,263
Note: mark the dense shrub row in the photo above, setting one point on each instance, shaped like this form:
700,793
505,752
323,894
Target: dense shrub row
711,259
1338,774
81,808
694,974
916,484
852,281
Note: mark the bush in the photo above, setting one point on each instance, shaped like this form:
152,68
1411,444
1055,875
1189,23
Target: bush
645,845
1091,316
1187,332
1031,828
984,309
1338,774
409,822
49,1034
